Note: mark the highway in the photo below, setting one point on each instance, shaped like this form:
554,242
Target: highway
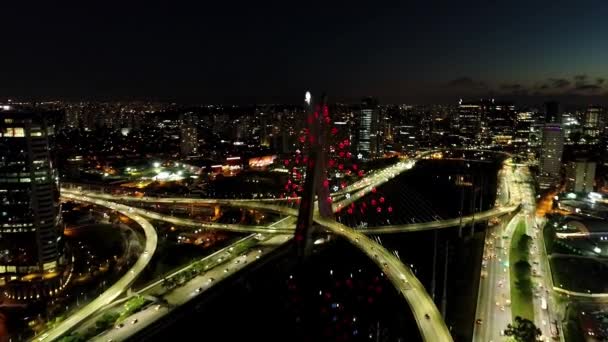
429,320
493,312
227,261
431,324
121,285
377,177
230,263
453,222
284,229
402,277
494,286
537,257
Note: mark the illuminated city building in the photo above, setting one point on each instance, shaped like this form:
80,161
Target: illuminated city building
552,148
469,120
580,176
188,136
485,121
31,227
570,125
369,138
594,122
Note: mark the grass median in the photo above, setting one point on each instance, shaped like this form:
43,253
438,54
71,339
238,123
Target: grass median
521,278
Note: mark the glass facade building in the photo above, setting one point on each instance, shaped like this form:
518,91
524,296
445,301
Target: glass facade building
31,228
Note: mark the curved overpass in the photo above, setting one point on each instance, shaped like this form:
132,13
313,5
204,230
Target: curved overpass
453,222
432,328
431,324
121,285
412,227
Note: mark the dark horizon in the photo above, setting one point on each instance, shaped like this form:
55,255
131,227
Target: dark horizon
273,52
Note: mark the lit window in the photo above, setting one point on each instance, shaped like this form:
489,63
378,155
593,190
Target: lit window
13,132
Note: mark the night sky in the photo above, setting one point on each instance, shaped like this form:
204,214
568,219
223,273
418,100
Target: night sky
262,51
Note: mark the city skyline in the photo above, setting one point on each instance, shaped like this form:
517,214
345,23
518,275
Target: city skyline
276,171
254,53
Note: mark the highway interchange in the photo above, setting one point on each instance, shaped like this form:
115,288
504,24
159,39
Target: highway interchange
108,296
430,322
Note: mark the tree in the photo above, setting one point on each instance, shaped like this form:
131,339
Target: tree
524,243
106,321
524,282
523,330
74,337
522,268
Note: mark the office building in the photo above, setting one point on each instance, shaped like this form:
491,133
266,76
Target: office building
485,121
552,147
369,138
580,176
595,122
189,144
31,228
469,120
553,112
571,127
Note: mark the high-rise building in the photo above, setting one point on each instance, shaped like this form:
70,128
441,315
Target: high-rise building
485,121
595,122
580,176
501,122
188,136
469,120
552,147
552,112
31,228
523,125
571,127
369,138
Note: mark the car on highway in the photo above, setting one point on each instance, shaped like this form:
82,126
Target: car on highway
479,321
226,270
134,321
120,325
210,280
